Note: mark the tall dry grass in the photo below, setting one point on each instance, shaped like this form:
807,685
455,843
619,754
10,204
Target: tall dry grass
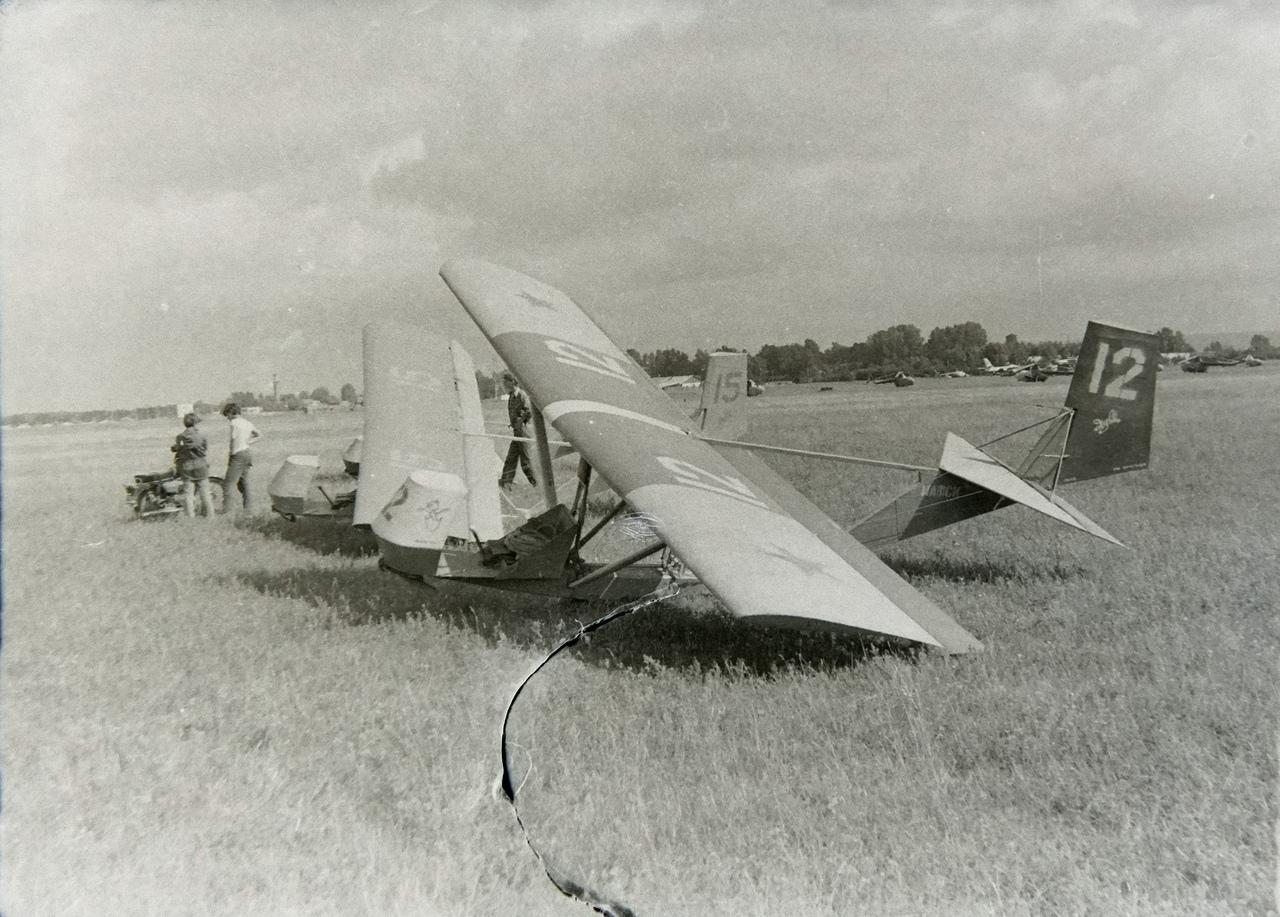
248,717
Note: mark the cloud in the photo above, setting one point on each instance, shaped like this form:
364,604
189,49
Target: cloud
690,170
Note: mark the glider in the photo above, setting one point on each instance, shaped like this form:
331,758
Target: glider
294,492
1033,373
1007,369
712,510
1201,362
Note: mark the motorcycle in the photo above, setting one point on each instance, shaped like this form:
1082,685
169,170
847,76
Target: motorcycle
160,494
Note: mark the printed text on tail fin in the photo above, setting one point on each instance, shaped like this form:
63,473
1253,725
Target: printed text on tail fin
724,396
1112,394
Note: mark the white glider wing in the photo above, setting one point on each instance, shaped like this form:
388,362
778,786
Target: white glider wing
733,533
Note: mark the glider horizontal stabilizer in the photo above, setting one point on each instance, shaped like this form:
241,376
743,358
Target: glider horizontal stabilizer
969,483
970,463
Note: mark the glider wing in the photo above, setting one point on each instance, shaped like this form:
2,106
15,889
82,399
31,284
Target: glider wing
738,538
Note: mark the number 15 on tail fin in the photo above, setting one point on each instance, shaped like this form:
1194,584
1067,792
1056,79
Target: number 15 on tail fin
722,411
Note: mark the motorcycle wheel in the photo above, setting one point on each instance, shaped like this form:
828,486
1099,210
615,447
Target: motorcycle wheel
150,502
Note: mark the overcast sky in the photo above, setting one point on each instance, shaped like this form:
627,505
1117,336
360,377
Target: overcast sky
197,195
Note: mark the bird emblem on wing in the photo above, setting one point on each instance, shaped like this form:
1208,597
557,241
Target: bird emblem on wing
535,301
805,565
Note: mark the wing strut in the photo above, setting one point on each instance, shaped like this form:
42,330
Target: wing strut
831,456
546,475
1062,454
595,529
635,557
580,503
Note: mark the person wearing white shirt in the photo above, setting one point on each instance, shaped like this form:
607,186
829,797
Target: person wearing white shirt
239,458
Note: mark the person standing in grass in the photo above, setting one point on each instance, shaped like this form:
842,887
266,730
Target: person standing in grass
518,413
239,458
191,451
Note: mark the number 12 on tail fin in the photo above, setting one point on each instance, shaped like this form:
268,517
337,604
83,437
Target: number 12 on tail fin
1113,396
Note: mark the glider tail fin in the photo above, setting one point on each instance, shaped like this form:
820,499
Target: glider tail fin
1106,427
723,409
422,411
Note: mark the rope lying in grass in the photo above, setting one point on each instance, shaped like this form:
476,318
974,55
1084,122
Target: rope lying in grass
665,590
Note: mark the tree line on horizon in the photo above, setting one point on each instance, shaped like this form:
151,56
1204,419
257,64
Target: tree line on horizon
904,348
299,402
246,399
900,347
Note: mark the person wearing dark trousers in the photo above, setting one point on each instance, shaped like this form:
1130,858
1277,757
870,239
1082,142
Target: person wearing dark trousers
239,458
518,414
190,450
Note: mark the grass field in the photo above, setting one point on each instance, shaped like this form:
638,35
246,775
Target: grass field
249,718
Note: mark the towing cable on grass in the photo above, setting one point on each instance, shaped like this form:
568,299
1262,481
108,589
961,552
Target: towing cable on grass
666,589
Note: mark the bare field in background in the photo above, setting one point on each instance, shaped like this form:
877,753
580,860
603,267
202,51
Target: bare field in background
249,718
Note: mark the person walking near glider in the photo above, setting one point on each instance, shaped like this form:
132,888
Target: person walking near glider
239,458
518,414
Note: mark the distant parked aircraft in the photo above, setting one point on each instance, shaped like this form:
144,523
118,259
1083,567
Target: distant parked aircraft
1201,362
1006,369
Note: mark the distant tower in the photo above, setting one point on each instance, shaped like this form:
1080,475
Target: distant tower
275,387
